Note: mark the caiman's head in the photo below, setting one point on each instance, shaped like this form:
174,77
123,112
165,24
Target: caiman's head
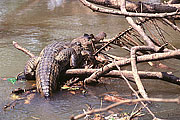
86,48
86,42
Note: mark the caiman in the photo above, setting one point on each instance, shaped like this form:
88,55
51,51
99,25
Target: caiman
86,43
54,59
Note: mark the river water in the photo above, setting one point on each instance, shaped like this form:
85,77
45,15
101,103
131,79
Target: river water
36,23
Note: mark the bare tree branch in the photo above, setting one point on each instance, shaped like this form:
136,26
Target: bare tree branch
145,106
165,76
134,68
141,32
139,6
171,24
16,45
176,100
118,12
144,58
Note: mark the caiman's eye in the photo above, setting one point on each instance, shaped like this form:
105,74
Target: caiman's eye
91,36
86,35
78,43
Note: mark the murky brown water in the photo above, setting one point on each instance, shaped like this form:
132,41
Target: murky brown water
36,23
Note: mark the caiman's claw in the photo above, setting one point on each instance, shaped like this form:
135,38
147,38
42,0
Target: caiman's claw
47,96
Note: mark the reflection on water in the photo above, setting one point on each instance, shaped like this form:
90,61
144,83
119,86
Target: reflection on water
52,4
33,25
36,23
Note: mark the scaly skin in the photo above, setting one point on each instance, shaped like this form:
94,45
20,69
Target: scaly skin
31,64
53,60
30,67
85,42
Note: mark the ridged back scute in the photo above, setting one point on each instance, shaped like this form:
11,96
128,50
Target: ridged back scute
47,69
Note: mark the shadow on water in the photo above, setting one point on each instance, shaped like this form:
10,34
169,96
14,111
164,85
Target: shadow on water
36,23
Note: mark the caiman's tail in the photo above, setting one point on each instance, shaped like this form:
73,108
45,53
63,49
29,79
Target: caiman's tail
52,61
47,71
46,76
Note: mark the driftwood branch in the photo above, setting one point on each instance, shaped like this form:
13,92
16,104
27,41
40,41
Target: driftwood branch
16,45
173,2
144,58
136,48
138,6
171,24
118,12
134,68
120,35
176,100
165,76
141,32
137,95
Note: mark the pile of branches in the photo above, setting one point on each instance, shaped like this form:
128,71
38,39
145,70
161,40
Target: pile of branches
142,44
139,40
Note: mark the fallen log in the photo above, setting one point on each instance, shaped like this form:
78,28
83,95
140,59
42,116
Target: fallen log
144,58
165,76
137,6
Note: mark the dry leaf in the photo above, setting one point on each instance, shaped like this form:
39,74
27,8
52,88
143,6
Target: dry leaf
64,87
29,98
15,97
72,92
36,118
163,66
98,117
151,64
26,102
33,85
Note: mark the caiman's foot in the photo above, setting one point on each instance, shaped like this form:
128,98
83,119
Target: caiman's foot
21,77
47,96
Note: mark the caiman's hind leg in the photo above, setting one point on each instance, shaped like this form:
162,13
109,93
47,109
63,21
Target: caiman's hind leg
29,72
30,68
